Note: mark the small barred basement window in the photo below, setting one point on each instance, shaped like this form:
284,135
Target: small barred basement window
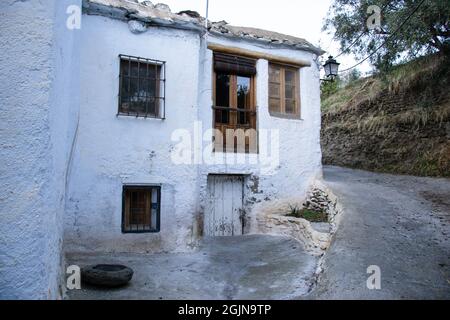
141,209
142,87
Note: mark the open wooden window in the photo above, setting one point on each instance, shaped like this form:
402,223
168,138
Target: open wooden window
284,91
141,209
234,104
142,87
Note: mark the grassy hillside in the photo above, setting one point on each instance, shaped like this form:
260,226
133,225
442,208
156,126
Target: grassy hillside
397,122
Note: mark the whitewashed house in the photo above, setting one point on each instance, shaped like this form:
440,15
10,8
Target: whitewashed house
145,176
118,141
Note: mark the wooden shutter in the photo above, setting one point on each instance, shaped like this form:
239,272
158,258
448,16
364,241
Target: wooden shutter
284,90
230,64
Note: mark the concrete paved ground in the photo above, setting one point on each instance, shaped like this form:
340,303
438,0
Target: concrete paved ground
401,224
246,267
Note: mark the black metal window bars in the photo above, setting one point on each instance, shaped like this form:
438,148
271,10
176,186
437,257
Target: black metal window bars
142,87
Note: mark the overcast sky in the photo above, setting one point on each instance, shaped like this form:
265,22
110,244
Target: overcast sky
302,18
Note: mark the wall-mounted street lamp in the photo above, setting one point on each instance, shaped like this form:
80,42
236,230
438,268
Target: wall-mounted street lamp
331,68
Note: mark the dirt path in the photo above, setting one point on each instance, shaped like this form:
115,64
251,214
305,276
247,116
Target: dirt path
399,223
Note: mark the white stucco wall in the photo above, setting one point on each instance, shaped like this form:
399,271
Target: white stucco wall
299,139
112,151
65,154
38,101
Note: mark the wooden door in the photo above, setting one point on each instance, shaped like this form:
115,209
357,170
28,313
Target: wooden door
223,214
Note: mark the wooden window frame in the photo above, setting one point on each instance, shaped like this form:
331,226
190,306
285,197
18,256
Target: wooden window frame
282,113
233,116
126,214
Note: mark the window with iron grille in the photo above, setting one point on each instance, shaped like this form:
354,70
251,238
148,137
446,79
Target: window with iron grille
142,87
141,209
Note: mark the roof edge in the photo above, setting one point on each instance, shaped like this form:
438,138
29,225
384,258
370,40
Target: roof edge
126,14
125,11
270,44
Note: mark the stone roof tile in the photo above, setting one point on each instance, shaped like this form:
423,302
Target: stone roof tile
160,14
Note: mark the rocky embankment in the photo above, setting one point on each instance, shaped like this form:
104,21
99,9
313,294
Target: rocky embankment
397,123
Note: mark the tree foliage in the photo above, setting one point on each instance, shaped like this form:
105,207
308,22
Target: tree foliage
328,88
426,31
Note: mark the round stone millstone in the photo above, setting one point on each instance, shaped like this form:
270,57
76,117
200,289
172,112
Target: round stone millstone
106,275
